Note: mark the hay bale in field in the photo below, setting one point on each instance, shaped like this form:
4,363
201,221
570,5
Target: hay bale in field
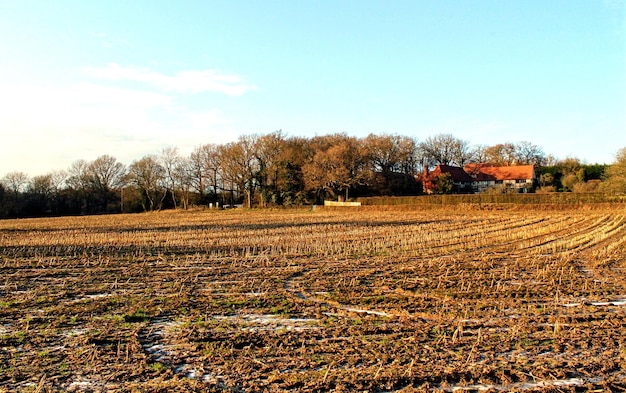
341,204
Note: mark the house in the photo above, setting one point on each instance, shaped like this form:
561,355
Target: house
462,182
480,177
520,178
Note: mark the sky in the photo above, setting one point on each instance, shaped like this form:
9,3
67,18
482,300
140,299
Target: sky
80,79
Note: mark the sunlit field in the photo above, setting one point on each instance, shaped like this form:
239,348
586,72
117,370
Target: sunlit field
301,300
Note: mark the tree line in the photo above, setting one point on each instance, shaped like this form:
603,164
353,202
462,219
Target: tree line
268,170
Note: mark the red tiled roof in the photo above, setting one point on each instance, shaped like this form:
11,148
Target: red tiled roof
488,172
457,173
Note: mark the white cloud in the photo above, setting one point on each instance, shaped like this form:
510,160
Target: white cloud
183,81
94,94
82,105
47,128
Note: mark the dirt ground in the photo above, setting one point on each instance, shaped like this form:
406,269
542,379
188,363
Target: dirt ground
312,301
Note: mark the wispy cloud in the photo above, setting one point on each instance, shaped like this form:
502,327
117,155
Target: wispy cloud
182,82
51,126
79,105
127,98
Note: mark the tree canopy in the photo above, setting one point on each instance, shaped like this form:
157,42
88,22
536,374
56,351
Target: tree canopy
276,169
616,173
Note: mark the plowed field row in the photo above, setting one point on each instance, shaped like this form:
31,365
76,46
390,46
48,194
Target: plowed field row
250,301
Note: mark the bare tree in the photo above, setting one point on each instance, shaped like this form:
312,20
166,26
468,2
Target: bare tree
204,169
59,179
171,161
338,168
15,182
407,155
294,154
391,153
239,165
520,153
479,154
42,185
78,175
445,149
211,166
269,153
324,174
183,174
196,170
550,160
382,152
616,174
105,173
149,175
528,154
501,154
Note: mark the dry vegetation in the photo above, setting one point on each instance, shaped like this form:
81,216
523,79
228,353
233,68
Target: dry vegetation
339,300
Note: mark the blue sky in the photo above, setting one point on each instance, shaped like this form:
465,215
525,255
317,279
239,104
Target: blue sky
79,79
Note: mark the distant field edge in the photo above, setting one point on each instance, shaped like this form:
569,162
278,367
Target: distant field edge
546,201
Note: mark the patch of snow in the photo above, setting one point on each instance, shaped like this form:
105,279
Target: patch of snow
74,332
517,386
258,322
81,386
618,302
153,348
91,297
369,312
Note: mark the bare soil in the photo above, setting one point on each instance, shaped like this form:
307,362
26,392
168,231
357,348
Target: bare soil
330,300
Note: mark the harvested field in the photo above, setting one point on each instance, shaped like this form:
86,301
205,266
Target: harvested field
342,300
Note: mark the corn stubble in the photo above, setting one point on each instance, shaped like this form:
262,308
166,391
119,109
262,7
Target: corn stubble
344,300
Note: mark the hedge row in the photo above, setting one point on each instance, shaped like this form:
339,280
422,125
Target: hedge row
534,199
